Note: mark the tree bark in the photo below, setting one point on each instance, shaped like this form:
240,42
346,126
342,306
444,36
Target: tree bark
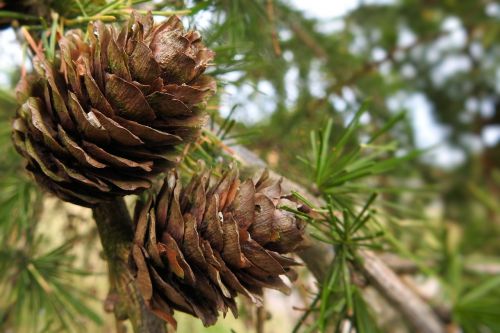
117,232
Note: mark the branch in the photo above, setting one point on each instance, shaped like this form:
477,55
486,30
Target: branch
116,233
308,40
416,312
272,23
406,266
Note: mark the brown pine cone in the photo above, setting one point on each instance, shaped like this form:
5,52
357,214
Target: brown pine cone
196,247
104,118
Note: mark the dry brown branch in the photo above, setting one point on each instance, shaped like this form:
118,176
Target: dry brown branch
308,40
274,34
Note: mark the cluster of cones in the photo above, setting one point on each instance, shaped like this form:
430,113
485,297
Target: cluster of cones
105,117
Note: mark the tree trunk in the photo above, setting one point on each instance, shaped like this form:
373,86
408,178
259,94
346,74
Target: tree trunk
116,232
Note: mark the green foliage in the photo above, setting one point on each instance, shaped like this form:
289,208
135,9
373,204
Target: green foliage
38,15
38,292
333,168
37,281
474,298
36,284
340,301
479,307
336,169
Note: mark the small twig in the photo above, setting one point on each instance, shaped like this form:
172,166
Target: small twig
155,12
31,42
274,34
306,314
308,40
84,19
261,317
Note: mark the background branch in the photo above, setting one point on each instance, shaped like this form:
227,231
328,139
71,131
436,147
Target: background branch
406,266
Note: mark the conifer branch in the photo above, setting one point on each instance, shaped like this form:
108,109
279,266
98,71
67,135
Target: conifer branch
414,310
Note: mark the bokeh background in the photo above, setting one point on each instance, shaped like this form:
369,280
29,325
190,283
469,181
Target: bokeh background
284,68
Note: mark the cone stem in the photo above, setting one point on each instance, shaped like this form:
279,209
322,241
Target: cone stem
116,234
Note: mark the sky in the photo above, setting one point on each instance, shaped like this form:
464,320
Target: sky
10,55
326,9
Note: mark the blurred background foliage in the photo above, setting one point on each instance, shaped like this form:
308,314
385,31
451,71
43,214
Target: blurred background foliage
425,75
